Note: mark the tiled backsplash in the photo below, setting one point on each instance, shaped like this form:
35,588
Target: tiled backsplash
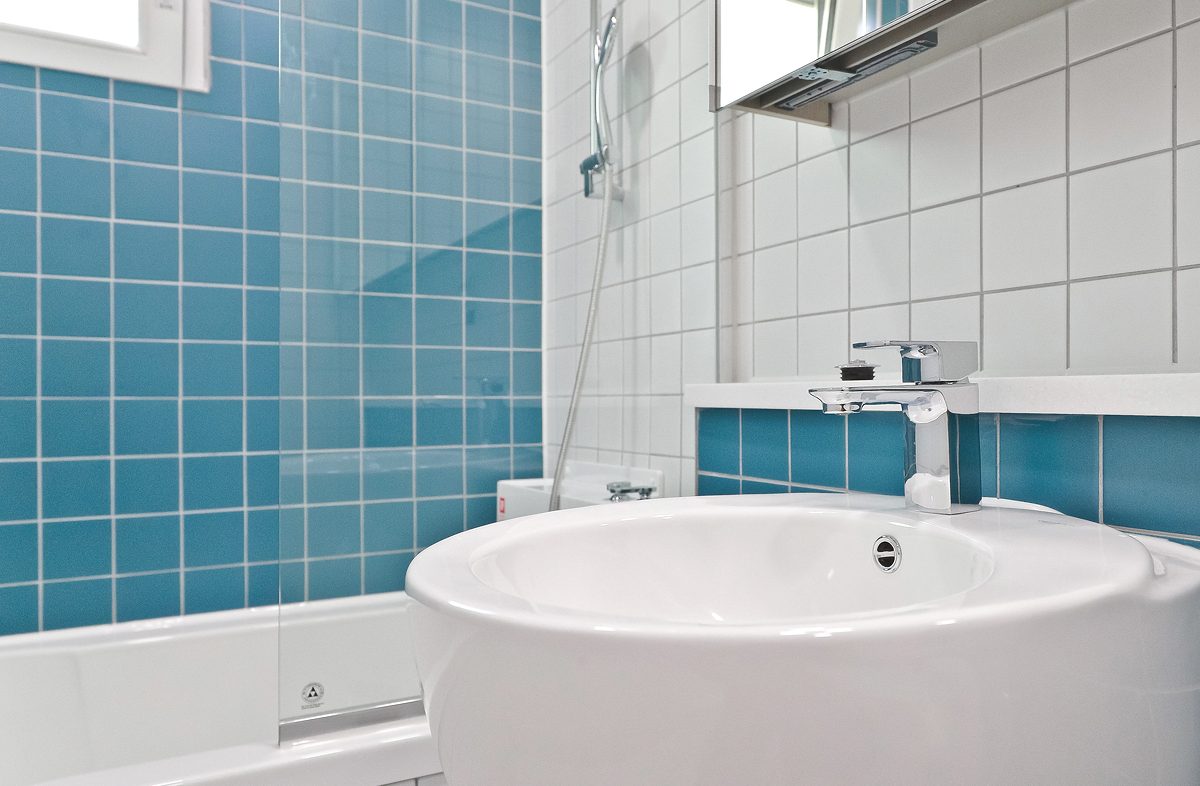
1137,472
162,404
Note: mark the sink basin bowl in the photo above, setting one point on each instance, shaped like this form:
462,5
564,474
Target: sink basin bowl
808,639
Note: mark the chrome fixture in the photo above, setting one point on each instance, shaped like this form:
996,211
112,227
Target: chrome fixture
601,131
622,490
886,552
941,462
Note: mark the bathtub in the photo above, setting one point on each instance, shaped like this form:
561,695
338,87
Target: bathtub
198,700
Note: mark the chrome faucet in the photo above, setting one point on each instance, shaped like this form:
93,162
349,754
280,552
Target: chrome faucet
622,490
937,372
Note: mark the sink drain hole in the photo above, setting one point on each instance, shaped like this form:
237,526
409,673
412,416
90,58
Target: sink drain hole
887,554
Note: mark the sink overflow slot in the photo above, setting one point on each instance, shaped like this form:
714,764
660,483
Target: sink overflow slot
887,554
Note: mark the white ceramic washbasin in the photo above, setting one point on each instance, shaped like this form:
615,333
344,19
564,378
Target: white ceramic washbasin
689,642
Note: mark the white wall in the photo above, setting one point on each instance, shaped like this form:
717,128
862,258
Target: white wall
1039,193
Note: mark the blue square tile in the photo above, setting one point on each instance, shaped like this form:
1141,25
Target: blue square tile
69,185
332,477
75,248
489,419
438,322
71,604
387,371
18,237
1051,460
387,269
18,305
213,313
330,104
72,82
147,193
147,597
487,80
262,535
487,275
226,25
438,519
331,158
439,422
212,426
74,428
765,444
212,482
262,425
818,448
487,177
291,582
388,526
439,473
387,217
387,474
386,16
876,452
225,96
487,31
527,421
480,511
527,374
18,182
212,142
387,112
527,182
988,434
334,578
438,71
332,371
260,34
387,320
527,230
526,277
439,222
488,226
439,120
75,488
74,308
531,7
263,480
144,369
527,326
146,427
528,462
75,368
342,12
527,134
18,609
385,572
439,171
265,98
262,371
262,149
386,61
144,134
333,530
332,319
18,491
439,22
72,549
212,257
262,260
387,165
331,212
527,39
527,86
439,271
146,252
19,75
19,358
713,486
485,467
212,539
333,423
212,200
213,589
18,118
19,553
212,370
487,373
331,264
439,372
487,323
263,207
388,423
718,441
147,485
1151,473
145,94
74,125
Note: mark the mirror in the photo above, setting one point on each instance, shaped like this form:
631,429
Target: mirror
763,41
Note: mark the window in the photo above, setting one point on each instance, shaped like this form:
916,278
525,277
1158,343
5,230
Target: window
159,42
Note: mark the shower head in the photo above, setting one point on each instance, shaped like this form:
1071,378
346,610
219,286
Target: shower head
605,38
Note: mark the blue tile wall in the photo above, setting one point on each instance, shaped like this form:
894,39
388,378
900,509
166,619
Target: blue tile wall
1141,473
274,338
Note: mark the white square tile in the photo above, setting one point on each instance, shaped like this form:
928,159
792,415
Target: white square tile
664,119
774,144
823,184
1188,183
694,39
945,251
665,306
741,353
743,148
698,239
879,263
664,241
664,425
1024,132
775,282
664,180
1189,319
1187,94
813,140
879,110
880,324
955,319
823,263
879,176
775,208
699,357
775,349
947,83
823,344
1030,50
1121,325
1102,130
1100,25
743,289
1186,11
1025,332
694,116
945,156
743,217
1025,235
696,176
699,296
1121,218
665,364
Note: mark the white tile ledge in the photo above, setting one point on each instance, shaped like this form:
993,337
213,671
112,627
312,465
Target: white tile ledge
1117,394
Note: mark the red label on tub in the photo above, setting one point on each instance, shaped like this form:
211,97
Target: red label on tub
501,505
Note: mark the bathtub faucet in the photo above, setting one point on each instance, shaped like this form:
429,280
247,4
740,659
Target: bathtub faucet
941,455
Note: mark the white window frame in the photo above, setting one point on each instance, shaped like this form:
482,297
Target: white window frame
173,50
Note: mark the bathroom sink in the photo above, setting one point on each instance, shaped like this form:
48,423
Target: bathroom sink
808,639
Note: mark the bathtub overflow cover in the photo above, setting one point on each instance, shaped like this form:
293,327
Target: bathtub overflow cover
887,554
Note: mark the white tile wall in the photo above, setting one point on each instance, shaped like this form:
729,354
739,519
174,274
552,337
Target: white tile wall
1038,203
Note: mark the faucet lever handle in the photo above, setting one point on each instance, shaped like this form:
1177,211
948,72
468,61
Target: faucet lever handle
927,362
